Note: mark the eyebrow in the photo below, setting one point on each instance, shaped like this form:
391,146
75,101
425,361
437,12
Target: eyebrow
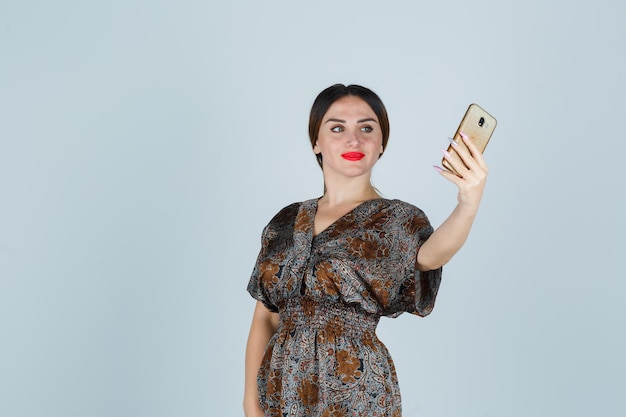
369,119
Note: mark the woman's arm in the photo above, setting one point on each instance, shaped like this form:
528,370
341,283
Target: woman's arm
264,325
446,241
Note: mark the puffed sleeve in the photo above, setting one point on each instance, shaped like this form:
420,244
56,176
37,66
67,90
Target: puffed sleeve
418,289
276,243
255,288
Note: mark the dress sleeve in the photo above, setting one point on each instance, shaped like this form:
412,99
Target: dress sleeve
255,288
276,241
418,289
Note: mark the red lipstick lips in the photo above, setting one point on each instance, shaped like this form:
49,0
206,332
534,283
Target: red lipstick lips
353,156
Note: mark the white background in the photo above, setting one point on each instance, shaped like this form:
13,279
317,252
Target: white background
145,144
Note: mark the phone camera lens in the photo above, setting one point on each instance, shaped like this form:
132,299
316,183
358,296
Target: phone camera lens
481,121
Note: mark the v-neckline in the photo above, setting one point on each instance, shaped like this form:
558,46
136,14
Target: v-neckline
315,205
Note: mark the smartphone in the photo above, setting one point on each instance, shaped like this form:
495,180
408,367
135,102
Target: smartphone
478,125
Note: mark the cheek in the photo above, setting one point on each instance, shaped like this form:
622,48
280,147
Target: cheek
381,149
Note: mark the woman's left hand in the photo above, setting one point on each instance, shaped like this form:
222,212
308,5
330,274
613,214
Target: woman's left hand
472,170
451,235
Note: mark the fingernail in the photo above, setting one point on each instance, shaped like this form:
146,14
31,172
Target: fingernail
463,135
438,169
446,153
453,142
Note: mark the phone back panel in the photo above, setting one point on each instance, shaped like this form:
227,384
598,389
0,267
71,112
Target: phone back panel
478,125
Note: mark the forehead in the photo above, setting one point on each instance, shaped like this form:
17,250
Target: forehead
350,105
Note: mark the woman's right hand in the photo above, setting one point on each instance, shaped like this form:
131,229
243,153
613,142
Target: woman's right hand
264,325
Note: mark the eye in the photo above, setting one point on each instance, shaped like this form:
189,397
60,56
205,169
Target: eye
367,129
336,129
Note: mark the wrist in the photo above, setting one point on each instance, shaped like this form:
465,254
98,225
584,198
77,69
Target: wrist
467,209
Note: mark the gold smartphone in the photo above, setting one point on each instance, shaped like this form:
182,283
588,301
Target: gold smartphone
478,125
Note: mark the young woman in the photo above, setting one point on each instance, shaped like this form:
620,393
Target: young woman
330,267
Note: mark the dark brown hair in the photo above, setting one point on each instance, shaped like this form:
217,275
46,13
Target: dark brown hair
327,97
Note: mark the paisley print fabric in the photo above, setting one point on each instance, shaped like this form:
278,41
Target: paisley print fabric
330,291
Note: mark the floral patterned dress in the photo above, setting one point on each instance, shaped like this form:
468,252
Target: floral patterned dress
330,290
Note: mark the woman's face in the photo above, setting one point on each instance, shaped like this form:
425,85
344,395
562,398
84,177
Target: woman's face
350,139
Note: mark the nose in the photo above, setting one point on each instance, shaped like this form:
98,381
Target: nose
353,138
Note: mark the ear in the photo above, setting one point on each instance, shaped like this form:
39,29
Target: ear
316,149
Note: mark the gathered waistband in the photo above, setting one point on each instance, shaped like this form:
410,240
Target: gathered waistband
329,316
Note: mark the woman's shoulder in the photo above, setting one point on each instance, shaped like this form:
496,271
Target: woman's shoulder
409,218
399,207
288,214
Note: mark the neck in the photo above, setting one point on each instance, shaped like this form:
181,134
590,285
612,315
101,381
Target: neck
354,191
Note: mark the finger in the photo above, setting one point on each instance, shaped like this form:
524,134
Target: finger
453,162
459,156
464,151
471,147
469,170
451,176
477,155
471,154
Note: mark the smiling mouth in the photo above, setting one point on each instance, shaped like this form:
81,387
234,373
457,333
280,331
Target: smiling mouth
353,156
